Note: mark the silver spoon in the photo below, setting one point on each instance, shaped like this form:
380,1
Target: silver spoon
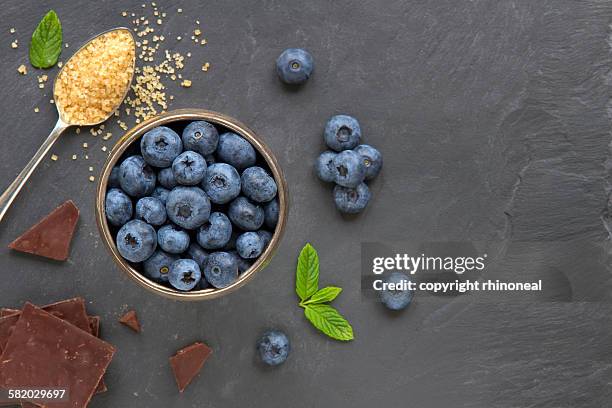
9,195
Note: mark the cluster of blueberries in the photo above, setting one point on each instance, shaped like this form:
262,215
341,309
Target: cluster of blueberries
194,210
348,164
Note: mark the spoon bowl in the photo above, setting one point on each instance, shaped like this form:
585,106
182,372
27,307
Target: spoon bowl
64,122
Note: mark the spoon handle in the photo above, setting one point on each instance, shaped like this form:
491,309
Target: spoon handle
6,199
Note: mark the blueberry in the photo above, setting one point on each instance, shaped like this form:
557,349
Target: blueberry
201,137
265,236
184,274
113,178
352,200
161,194
325,166
216,232
166,178
245,214
271,214
221,269
294,66
188,207
221,183
273,347
350,169
198,254
118,207
172,239
236,151
249,245
396,299
243,264
189,168
157,266
136,177
372,159
136,241
152,210
342,132
160,146
258,185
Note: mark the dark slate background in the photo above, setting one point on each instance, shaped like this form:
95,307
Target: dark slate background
492,117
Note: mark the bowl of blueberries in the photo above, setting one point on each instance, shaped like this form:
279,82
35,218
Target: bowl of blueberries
191,204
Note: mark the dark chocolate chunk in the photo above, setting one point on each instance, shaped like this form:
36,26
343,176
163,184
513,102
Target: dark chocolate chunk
52,235
45,351
188,362
131,320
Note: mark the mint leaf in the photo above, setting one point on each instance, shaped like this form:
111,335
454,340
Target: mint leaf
329,321
46,43
307,273
324,295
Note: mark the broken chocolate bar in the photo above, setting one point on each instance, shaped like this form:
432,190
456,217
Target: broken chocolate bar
131,320
52,235
188,362
45,351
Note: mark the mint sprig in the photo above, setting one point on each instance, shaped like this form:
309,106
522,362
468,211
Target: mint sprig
46,43
314,300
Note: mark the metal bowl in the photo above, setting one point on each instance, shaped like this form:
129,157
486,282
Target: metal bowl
132,136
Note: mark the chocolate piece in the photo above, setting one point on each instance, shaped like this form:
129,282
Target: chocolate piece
51,236
94,322
188,362
45,351
131,320
71,310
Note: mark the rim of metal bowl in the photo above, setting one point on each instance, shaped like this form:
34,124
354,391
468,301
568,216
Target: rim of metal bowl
230,123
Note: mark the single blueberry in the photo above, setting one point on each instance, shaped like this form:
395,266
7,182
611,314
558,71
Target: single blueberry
184,274
352,200
201,137
236,151
265,236
258,185
157,266
325,166
221,183
249,245
372,159
118,207
113,178
152,210
342,132
172,239
136,177
160,146
166,178
350,169
245,214
221,269
136,241
399,298
198,254
188,207
161,194
243,264
273,347
189,168
216,232
294,66
271,214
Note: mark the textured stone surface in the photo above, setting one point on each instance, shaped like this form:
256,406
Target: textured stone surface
492,119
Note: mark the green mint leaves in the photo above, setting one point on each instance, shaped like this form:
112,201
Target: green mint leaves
314,300
46,43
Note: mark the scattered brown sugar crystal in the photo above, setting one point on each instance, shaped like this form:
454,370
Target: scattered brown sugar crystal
130,319
94,81
187,363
